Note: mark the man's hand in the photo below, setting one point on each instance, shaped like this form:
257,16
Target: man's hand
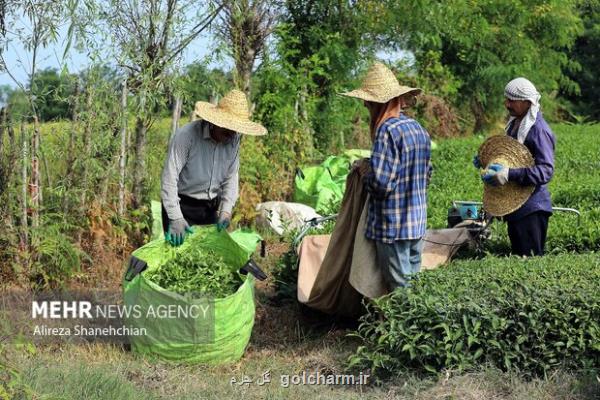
223,220
496,175
178,230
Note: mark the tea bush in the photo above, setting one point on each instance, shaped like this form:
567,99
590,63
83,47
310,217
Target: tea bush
576,184
533,315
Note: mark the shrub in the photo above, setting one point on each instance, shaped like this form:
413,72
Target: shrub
533,315
576,184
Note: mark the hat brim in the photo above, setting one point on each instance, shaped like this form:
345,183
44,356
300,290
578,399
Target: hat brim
499,201
211,113
365,95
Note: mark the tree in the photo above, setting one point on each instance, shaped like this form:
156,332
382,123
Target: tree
52,92
149,37
244,27
325,43
198,82
484,44
43,19
586,52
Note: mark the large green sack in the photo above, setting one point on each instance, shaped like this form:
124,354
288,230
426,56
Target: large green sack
315,187
157,228
187,339
322,187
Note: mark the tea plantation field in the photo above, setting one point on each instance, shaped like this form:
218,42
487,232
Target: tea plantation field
576,184
533,315
483,327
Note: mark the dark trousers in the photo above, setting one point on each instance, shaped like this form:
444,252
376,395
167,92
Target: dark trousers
195,212
528,234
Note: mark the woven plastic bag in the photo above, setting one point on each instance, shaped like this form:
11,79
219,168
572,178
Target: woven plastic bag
218,336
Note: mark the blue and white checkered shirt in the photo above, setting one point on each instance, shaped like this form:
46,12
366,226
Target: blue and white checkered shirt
397,182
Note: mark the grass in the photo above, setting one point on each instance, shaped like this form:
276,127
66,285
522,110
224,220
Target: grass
105,372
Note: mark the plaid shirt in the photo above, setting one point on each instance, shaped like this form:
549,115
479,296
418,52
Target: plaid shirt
397,182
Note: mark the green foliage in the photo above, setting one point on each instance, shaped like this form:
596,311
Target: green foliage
285,273
12,384
55,257
586,53
319,61
484,44
575,184
52,93
17,103
199,83
533,315
196,271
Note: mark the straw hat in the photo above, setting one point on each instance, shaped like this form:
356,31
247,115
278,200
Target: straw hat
231,113
380,86
502,200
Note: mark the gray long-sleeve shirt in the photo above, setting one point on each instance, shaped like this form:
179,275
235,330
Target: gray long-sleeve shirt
198,167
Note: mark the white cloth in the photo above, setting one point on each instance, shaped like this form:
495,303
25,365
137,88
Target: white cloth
523,89
281,216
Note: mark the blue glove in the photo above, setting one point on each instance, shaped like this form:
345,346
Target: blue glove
177,231
223,221
477,161
496,175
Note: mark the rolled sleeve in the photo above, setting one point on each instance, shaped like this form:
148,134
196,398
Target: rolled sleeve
385,160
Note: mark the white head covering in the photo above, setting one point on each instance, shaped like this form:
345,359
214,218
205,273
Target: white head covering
523,89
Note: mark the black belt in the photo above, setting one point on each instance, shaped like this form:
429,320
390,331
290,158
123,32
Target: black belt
190,201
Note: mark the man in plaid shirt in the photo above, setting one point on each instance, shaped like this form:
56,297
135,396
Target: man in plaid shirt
396,176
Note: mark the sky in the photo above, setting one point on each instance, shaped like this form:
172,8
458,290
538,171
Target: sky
18,60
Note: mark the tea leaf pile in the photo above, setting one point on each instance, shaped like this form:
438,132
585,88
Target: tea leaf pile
196,270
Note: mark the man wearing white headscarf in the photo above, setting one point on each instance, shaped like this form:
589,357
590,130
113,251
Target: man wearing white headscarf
528,225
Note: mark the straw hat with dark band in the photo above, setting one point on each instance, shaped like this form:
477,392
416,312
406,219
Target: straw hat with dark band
380,86
502,200
231,113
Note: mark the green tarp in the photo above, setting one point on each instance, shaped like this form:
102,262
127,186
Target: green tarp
218,330
322,187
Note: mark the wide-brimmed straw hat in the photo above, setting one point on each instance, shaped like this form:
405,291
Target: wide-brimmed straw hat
502,200
231,113
380,86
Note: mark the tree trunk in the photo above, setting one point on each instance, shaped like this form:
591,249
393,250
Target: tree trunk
244,70
71,149
11,183
24,223
139,162
12,167
123,152
87,146
47,170
481,121
3,126
176,115
36,190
